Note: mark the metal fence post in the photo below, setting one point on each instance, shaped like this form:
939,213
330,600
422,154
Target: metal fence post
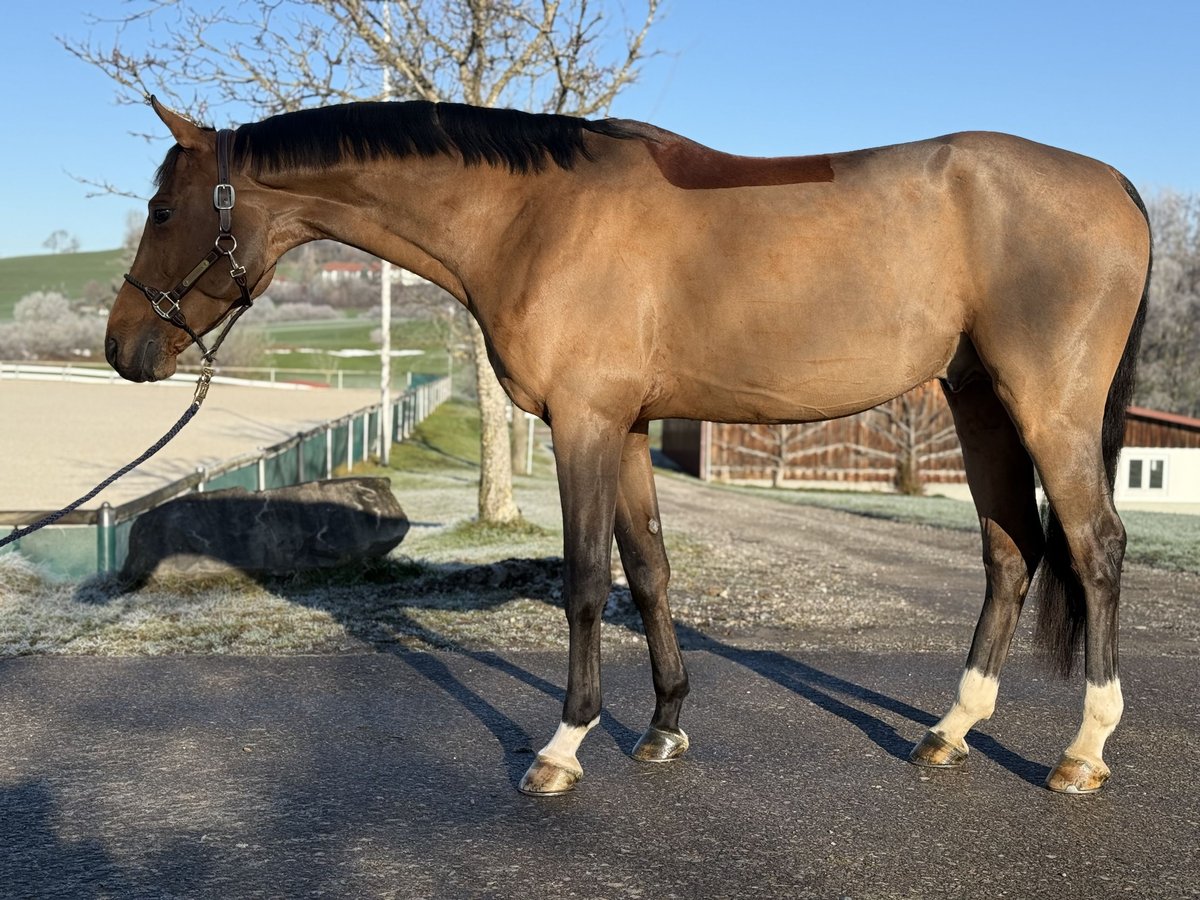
200,470
261,471
299,459
328,451
106,538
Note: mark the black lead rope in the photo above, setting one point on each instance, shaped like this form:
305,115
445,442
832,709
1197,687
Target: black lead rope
201,392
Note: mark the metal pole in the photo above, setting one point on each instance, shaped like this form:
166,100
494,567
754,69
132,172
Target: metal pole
531,422
106,544
328,451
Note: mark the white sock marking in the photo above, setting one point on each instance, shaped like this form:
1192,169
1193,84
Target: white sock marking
976,700
1102,708
566,740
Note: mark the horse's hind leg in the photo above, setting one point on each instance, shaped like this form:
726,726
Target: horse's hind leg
639,538
1087,548
1000,474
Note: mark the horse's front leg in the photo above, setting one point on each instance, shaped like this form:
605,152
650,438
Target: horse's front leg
587,453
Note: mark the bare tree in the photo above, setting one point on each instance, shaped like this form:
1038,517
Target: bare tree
774,449
1169,364
272,56
912,430
61,241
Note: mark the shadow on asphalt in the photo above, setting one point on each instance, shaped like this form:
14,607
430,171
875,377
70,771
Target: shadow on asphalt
493,584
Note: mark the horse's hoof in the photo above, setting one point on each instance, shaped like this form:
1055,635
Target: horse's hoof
1077,776
547,778
935,752
658,745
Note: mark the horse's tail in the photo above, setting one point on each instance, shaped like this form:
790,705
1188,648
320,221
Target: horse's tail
1061,609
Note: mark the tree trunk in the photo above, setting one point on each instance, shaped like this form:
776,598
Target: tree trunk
908,474
496,502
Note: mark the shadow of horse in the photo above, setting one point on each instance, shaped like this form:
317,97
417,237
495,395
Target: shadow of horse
387,629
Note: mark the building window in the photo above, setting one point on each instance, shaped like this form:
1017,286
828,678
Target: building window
1157,467
1147,474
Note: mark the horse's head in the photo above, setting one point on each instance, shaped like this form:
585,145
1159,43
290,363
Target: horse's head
170,295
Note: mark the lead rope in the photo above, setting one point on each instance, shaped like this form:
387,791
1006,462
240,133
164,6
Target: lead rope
206,374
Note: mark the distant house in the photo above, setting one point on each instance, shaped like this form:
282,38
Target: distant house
343,270
1159,465
1161,459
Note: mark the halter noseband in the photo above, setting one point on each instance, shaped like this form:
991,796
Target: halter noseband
166,303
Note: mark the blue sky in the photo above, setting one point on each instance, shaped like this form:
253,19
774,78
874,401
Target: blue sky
1117,81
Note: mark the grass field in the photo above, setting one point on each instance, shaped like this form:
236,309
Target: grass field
354,333
63,272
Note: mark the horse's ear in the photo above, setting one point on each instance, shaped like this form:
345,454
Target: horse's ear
187,133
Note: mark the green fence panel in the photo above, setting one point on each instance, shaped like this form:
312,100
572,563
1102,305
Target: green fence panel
341,434
68,551
314,457
121,536
281,469
244,477
372,432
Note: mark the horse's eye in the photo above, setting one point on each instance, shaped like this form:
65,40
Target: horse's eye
160,215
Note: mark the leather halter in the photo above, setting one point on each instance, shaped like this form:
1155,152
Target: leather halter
166,303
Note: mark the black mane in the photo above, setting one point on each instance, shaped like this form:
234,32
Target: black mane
313,139
319,138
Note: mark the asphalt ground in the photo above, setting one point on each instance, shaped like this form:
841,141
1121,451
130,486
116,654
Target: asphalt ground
394,774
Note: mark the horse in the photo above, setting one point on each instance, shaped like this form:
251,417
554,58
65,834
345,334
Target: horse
621,273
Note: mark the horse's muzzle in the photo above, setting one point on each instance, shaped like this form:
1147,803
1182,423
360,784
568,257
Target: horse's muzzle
139,360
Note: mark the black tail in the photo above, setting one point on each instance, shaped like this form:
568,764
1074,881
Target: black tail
1061,608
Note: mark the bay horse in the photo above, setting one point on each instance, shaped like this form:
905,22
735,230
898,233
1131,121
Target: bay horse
622,273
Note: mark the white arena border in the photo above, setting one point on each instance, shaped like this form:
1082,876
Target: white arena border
80,375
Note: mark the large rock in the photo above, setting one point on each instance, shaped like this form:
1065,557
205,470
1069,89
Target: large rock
316,525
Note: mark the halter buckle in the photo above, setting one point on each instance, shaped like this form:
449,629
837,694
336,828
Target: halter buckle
163,295
224,196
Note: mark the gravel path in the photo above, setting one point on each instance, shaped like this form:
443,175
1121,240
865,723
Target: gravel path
759,572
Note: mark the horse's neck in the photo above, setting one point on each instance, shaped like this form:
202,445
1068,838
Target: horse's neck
435,217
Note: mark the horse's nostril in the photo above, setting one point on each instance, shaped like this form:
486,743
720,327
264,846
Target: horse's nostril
110,351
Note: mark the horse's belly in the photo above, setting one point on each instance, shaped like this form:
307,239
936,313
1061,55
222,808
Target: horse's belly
784,368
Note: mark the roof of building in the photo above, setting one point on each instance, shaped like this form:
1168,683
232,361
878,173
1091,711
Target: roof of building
1164,418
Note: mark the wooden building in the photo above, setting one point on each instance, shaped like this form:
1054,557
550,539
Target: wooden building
912,437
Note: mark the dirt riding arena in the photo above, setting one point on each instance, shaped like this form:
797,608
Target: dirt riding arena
58,439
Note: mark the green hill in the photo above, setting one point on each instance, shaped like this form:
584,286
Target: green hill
63,272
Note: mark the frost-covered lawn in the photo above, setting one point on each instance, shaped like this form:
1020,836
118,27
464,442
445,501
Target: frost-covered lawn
1163,540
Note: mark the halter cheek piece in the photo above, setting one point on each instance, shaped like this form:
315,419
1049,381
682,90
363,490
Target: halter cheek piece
166,303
